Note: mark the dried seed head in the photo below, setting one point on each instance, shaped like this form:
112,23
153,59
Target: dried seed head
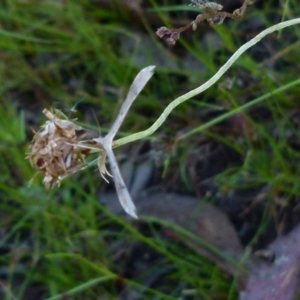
55,149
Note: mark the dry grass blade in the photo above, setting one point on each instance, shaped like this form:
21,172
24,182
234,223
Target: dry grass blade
136,87
107,142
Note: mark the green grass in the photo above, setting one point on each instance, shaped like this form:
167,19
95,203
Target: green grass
60,53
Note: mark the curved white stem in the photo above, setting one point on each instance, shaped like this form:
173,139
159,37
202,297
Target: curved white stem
206,85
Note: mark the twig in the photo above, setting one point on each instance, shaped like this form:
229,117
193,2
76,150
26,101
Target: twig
211,13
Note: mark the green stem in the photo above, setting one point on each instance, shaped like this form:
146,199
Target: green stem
239,109
205,86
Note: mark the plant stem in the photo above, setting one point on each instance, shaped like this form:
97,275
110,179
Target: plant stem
205,86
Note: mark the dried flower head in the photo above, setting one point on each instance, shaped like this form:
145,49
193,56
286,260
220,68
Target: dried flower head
55,149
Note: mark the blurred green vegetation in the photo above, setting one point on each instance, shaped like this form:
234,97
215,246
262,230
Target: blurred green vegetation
81,54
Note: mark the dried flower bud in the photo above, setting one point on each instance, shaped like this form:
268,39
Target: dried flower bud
171,35
173,38
162,31
55,149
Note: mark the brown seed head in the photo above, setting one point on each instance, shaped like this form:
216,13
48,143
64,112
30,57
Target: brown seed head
55,149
